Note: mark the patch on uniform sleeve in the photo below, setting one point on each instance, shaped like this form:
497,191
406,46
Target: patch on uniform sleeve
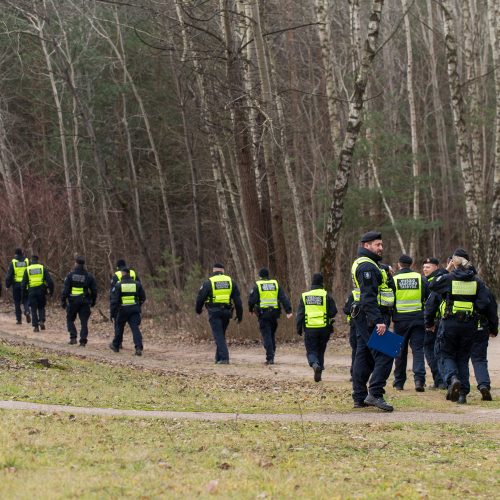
438,278
201,287
367,275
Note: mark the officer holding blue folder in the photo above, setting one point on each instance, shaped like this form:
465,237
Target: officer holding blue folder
373,299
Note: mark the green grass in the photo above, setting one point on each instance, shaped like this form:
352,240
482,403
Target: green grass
79,382
61,456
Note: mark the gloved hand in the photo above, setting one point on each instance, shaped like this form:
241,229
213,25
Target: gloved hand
239,320
92,304
63,305
299,334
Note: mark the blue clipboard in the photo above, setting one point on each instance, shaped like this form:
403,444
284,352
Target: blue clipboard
390,343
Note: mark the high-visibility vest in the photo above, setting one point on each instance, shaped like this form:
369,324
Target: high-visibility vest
222,287
268,293
408,292
385,296
461,298
19,268
77,282
129,292
119,274
36,275
315,308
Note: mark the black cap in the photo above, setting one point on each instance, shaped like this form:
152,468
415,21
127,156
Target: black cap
371,236
120,263
460,252
264,272
218,265
405,259
431,260
34,257
79,260
317,279
18,251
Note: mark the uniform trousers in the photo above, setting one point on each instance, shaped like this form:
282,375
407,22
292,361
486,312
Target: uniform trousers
316,340
479,358
413,333
82,310
37,301
131,315
219,317
17,295
268,324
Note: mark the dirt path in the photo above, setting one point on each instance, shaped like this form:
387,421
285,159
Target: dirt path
172,355
365,416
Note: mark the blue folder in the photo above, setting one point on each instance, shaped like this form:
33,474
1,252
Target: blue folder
390,343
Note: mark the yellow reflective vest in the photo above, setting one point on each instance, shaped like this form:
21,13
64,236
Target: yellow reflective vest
36,275
19,268
268,293
408,292
222,287
385,297
128,291
315,308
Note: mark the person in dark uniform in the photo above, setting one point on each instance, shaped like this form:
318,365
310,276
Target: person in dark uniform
352,329
411,293
371,310
265,300
127,297
479,349
431,270
218,294
117,275
79,294
315,315
14,278
464,297
36,284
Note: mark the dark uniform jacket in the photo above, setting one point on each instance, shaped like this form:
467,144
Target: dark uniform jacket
254,301
205,294
80,278
431,310
414,315
331,311
369,278
115,298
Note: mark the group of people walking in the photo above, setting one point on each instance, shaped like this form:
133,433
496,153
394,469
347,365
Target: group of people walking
445,316
31,283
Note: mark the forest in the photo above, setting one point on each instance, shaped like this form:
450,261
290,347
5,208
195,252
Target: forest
178,133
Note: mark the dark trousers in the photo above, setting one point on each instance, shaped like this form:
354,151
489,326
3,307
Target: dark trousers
479,358
268,324
353,343
432,359
413,333
457,342
438,351
368,364
17,295
315,340
132,316
219,320
82,310
37,301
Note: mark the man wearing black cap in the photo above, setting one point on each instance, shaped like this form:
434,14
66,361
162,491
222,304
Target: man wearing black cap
218,294
36,283
465,297
78,295
411,293
265,300
315,314
371,311
431,270
14,278
127,297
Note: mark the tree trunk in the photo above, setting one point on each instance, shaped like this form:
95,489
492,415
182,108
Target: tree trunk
354,123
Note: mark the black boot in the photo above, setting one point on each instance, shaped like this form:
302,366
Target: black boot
317,372
378,403
454,389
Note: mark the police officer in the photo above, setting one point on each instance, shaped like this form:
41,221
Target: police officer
411,292
265,300
352,329
371,310
315,315
464,298
479,349
127,297
216,294
14,278
431,270
36,283
79,294
117,276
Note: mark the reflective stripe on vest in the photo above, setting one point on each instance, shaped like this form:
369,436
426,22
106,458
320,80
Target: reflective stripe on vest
408,292
119,274
129,291
315,308
35,275
385,295
461,288
19,268
222,287
268,293
75,291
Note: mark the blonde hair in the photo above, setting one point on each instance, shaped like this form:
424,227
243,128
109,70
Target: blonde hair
460,261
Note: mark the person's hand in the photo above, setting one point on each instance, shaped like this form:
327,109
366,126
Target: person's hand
289,315
430,329
381,328
252,313
92,304
239,320
299,334
63,305
493,333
